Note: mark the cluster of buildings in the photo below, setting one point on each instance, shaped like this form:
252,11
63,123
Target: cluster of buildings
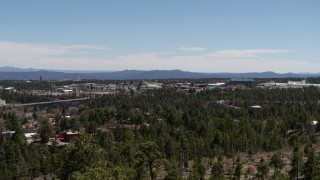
218,86
242,84
30,137
61,139
141,86
193,87
92,88
31,126
289,84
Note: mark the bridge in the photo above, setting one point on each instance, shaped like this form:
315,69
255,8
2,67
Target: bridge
46,102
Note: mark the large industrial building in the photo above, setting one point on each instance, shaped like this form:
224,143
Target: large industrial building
242,82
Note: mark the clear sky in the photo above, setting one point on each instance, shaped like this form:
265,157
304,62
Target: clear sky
197,35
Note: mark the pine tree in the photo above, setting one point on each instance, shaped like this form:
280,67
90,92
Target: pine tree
296,164
146,156
238,169
45,131
84,156
276,161
310,166
217,171
198,171
263,169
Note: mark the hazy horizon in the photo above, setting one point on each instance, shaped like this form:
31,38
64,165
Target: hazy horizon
30,69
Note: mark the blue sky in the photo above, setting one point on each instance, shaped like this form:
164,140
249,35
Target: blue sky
201,36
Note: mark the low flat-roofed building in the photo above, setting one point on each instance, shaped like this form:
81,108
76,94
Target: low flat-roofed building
11,89
67,91
255,107
150,86
242,82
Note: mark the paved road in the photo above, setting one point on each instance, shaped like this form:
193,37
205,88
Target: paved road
47,102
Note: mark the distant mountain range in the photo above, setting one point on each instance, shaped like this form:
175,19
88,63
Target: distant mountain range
11,73
13,69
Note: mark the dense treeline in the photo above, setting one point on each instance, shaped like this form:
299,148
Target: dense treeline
197,118
23,85
22,97
192,126
137,136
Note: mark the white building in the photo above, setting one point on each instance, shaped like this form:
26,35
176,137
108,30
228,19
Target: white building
11,89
